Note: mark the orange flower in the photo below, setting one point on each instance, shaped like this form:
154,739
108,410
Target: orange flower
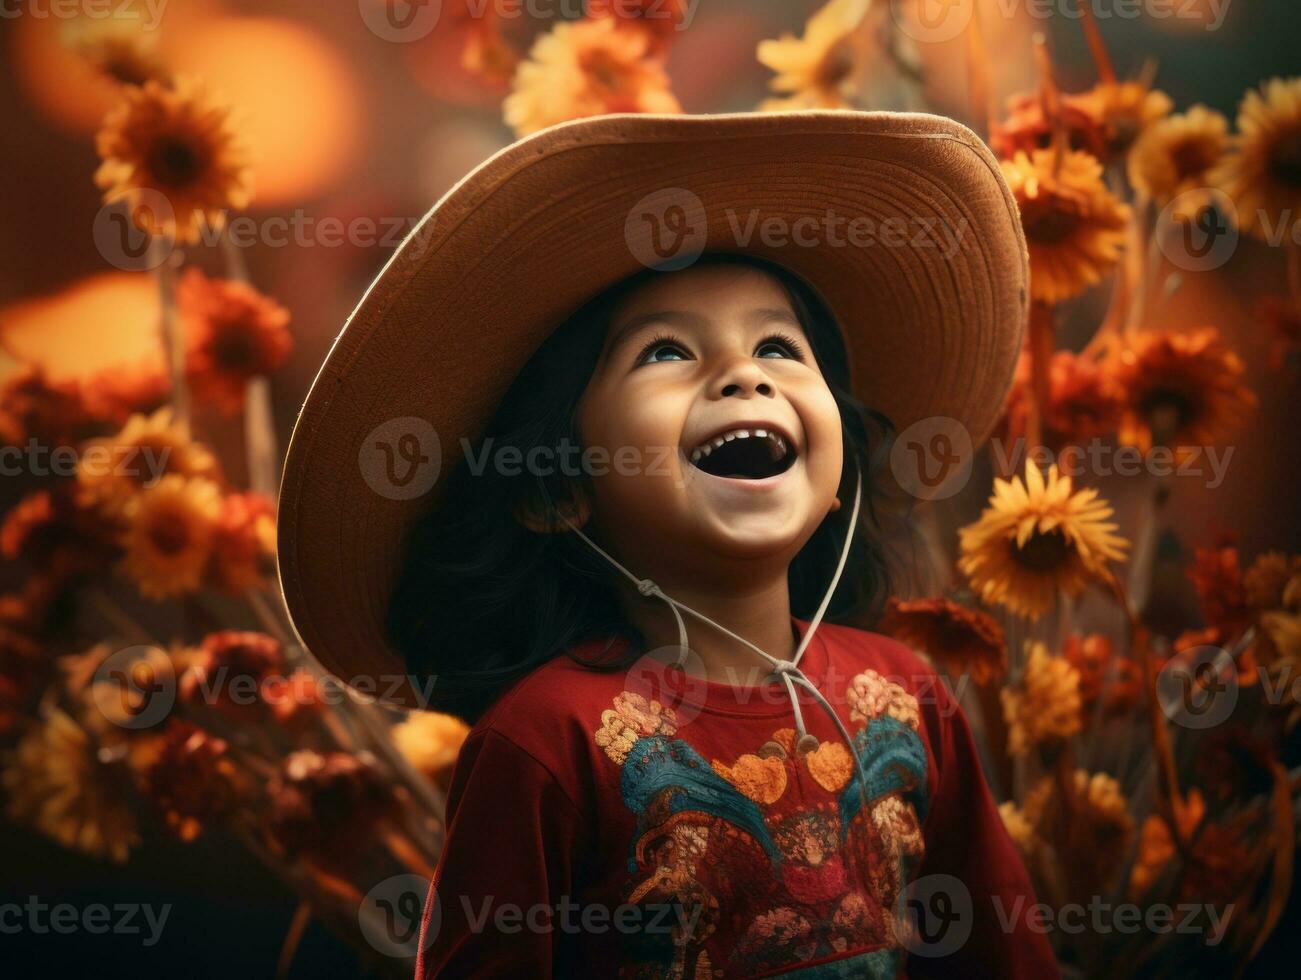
1284,322
1174,156
1262,171
191,780
176,143
1181,389
244,540
587,68
33,407
431,742
1217,576
1126,110
1102,673
1156,845
1084,401
1074,226
226,663
822,69
1027,129
1038,538
235,334
661,19
168,539
958,638
1266,580
51,532
294,700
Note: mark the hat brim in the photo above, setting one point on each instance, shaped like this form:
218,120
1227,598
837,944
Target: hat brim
931,329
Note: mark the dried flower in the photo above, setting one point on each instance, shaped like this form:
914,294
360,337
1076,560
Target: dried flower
1283,318
1156,845
587,68
1093,820
169,533
1262,171
230,665
431,742
234,334
1217,576
192,781
1084,401
660,19
1264,582
1074,226
175,142
56,785
960,639
321,804
294,700
1182,389
1044,705
822,69
243,542
1174,157
1021,831
1126,109
54,535
33,407
1117,680
1038,538
1027,129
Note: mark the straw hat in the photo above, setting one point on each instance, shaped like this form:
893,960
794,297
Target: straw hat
901,221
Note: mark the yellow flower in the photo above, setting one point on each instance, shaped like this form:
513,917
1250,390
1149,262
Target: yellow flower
56,786
1126,110
1182,389
587,68
822,69
176,143
1262,171
1156,846
430,742
1174,156
1044,704
169,535
1074,226
1037,538
1095,820
1020,829
112,471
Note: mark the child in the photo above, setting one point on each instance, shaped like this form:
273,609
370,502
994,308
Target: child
651,490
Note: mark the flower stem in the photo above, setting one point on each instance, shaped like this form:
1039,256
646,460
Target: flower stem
172,335
1101,60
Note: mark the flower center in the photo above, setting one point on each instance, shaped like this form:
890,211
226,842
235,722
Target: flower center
233,349
1192,157
1167,410
169,536
1285,161
1043,551
836,65
174,162
1047,223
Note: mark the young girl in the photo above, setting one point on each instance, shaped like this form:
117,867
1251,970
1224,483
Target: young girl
652,491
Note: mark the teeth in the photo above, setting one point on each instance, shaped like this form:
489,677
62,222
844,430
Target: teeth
704,449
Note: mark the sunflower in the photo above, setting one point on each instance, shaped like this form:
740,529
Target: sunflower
1074,226
112,471
958,638
1037,538
1126,110
56,785
587,68
430,742
1084,401
1174,156
1262,171
235,334
1181,389
169,533
822,69
1044,705
177,143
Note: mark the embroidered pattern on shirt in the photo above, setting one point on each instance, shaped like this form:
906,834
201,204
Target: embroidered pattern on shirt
772,848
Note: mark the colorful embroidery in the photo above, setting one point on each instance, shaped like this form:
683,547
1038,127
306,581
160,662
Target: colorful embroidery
708,830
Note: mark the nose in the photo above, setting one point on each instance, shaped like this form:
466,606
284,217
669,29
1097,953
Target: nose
741,377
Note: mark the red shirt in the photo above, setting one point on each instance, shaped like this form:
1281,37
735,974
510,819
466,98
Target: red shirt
596,830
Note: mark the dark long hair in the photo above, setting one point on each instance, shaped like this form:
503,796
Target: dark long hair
482,600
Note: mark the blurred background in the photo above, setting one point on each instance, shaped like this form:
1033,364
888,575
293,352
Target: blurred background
351,129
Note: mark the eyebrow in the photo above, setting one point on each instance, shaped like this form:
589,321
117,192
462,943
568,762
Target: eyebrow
679,317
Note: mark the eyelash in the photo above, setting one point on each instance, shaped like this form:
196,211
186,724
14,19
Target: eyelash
786,340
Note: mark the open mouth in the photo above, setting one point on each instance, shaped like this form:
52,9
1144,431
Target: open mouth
744,454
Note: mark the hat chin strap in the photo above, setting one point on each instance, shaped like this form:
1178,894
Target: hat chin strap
787,671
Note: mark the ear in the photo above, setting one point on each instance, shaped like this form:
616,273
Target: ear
835,504
541,520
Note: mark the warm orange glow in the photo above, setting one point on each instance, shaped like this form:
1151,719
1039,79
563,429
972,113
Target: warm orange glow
103,322
296,100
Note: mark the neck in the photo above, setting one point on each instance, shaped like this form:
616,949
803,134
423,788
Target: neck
759,610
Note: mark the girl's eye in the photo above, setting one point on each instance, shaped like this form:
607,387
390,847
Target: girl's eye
780,345
662,349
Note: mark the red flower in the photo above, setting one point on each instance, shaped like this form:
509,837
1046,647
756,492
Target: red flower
958,638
